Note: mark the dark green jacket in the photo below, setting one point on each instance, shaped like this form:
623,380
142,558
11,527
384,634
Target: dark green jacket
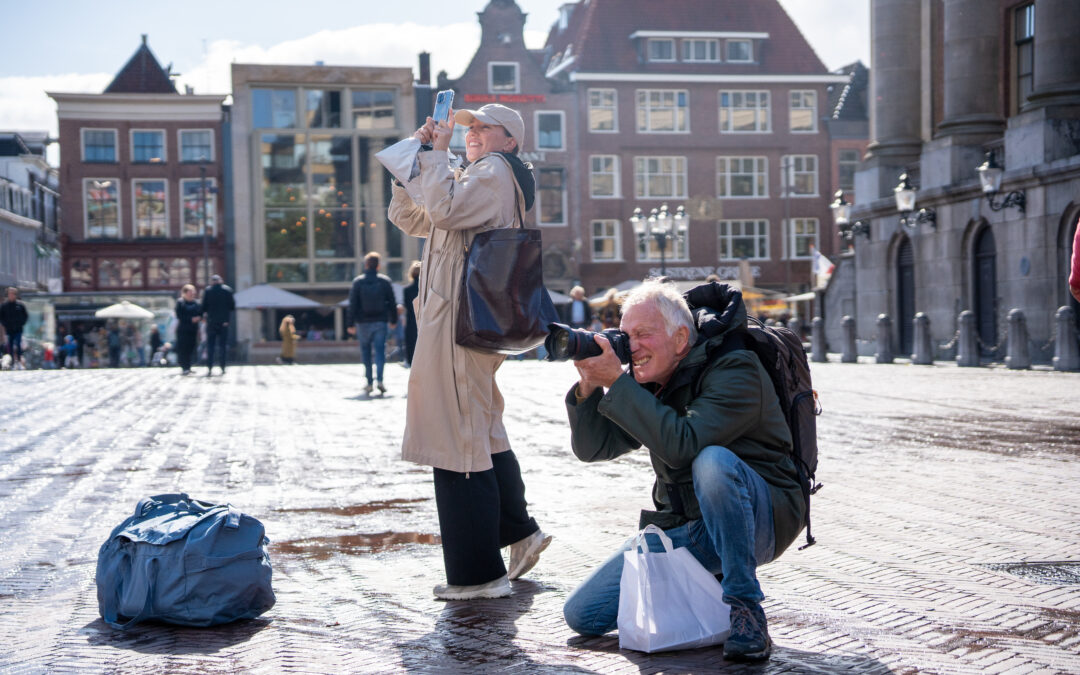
735,406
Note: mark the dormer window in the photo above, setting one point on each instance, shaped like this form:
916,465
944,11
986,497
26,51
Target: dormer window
740,51
700,50
661,49
503,78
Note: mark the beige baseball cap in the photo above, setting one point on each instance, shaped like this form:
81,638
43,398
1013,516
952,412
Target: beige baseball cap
495,113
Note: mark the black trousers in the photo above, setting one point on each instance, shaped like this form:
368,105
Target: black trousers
185,347
478,515
217,337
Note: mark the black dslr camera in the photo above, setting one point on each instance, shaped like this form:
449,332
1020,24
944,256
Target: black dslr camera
564,343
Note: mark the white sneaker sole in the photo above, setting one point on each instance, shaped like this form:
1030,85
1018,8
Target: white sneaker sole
485,594
531,557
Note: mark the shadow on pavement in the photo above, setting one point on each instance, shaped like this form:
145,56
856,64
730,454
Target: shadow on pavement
154,637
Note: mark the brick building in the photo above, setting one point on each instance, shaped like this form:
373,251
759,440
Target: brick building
133,163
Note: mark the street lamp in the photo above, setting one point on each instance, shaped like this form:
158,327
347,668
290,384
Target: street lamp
905,204
661,225
842,216
990,177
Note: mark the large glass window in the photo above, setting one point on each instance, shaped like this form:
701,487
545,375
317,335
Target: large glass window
1024,20
700,50
802,115
286,233
802,234
283,159
603,111
192,196
660,177
742,177
81,273
197,145
151,218
552,197
101,199
847,162
334,233
605,240
322,108
604,176
147,146
549,131
287,273
273,108
336,271
744,111
740,239
331,171
801,175
661,49
373,109
99,145
503,78
663,110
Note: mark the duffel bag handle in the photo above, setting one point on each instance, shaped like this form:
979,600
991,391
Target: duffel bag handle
232,521
147,502
112,600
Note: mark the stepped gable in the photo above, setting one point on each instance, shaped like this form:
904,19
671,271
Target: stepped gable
142,74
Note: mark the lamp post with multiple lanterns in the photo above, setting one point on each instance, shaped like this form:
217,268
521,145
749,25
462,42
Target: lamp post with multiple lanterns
663,226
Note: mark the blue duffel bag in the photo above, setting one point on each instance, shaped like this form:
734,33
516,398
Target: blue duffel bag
186,562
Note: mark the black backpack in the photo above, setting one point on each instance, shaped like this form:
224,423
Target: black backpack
372,298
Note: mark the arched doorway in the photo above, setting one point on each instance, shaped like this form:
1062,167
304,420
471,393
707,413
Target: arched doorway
986,288
905,295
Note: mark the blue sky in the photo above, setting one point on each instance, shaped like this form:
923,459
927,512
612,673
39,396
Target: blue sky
76,46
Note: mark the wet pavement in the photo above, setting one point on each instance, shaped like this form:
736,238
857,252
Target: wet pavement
948,528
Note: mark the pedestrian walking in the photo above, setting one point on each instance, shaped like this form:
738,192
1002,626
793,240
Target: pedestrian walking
114,343
1074,276
578,313
217,306
453,419
155,343
188,314
409,296
13,317
289,338
372,306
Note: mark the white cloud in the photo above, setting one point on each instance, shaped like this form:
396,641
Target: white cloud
24,106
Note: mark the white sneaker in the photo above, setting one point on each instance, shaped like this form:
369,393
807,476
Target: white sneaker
525,553
382,388
500,588
368,389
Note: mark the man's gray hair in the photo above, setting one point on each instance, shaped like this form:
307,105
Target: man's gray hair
669,301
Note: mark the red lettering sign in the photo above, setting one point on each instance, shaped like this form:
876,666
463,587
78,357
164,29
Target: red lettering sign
505,98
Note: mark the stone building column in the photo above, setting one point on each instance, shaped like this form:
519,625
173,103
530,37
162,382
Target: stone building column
895,78
972,58
1057,54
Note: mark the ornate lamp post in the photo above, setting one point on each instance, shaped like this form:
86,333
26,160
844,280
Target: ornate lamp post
990,177
905,204
842,216
662,226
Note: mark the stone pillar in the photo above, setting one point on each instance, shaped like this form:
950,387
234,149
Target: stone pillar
884,339
1057,54
971,61
817,341
895,88
1019,356
967,349
795,326
1066,352
850,353
924,348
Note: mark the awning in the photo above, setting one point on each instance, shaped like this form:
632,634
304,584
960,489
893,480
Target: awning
801,297
262,296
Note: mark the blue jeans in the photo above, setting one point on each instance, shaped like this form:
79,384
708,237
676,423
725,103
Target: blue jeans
14,340
733,536
372,336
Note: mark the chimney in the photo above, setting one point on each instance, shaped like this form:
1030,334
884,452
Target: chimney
425,68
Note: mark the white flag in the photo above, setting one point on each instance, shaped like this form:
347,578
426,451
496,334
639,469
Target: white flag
822,269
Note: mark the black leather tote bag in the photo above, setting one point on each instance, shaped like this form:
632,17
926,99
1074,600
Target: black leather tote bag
504,307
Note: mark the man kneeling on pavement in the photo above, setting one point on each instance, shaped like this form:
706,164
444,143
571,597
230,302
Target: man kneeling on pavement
726,487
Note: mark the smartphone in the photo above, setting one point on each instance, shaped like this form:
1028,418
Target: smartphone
443,100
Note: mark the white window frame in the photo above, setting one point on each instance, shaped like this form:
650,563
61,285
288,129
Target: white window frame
135,209
615,238
211,211
841,163
642,175
649,42
116,145
491,82
724,175
614,110
725,235
678,250
615,173
540,193
164,149
790,237
749,48
711,45
562,130
763,124
86,209
646,107
788,163
180,145
802,94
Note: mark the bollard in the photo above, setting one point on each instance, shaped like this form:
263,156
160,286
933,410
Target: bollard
967,349
924,349
1018,356
795,326
1066,353
850,355
817,341
884,339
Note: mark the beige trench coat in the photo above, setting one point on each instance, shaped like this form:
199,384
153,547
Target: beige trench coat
453,417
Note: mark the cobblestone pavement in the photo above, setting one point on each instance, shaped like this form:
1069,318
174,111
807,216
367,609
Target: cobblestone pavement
945,488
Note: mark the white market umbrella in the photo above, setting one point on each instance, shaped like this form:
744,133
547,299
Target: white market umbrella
265,296
124,310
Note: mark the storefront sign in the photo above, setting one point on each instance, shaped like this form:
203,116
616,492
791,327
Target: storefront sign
505,98
726,273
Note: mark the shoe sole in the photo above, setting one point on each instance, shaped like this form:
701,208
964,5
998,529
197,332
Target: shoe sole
531,558
751,657
483,595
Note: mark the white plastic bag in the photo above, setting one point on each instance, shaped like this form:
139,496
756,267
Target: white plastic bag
668,600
